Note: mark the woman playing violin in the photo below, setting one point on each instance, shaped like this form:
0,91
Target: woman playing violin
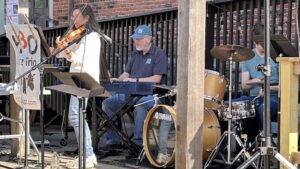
84,57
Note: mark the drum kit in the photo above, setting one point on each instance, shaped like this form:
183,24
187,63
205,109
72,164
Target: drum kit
215,110
235,111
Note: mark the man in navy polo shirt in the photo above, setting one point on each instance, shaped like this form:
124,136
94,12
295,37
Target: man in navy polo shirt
148,63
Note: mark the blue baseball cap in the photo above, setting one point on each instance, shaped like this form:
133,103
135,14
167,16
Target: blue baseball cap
141,31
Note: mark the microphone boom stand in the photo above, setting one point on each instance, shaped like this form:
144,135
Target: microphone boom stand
267,150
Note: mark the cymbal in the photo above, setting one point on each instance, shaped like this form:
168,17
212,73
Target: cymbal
238,53
170,88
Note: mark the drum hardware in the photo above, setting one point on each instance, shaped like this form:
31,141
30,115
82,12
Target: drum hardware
243,153
240,110
214,89
170,88
160,127
231,53
172,92
156,98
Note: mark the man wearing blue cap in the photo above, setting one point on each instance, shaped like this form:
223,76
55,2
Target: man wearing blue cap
148,63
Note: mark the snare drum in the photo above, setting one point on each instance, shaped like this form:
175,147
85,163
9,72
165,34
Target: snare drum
159,134
240,110
214,88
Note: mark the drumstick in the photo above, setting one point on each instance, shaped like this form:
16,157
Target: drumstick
261,83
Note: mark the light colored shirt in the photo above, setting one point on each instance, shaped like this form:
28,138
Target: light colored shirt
86,55
250,66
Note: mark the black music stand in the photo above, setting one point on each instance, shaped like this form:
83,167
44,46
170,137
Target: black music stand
81,85
279,46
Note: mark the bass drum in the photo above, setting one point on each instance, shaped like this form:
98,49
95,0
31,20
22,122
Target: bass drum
159,135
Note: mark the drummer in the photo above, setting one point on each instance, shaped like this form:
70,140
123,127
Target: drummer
252,79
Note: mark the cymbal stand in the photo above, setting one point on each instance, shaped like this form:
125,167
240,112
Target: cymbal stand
243,153
228,133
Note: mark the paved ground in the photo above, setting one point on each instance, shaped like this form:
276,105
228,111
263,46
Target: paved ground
54,136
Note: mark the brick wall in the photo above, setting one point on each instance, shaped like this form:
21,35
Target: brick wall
106,9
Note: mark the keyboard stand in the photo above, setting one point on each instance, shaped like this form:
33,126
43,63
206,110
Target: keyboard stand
108,122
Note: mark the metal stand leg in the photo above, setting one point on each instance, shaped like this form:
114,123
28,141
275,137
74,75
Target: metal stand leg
81,147
27,136
21,135
64,140
243,151
140,157
215,151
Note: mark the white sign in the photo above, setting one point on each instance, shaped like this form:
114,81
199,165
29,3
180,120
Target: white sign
12,10
28,54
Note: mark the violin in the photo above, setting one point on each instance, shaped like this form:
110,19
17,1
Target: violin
70,37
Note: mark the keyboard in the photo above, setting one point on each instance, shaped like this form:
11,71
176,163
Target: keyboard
131,88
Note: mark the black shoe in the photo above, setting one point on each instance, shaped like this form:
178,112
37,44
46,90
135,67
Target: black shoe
71,153
103,154
134,154
111,147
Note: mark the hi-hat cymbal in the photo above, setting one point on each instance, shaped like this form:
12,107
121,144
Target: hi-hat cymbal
170,88
238,53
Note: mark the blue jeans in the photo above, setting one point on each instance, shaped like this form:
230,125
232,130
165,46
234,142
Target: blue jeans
74,121
113,103
164,129
259,109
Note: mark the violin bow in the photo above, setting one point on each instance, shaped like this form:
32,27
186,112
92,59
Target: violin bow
29,26
13,28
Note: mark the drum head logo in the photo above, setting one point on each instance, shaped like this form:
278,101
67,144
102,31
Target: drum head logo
163,116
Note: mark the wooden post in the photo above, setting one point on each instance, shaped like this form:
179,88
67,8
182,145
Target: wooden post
288,106
17,145
190,83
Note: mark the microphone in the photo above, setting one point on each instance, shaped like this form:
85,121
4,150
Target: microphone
259,67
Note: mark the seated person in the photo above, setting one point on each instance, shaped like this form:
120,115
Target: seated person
250,76
148,63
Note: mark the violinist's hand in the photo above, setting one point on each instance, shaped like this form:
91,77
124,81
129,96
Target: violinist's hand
60,43
51,49
57,40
